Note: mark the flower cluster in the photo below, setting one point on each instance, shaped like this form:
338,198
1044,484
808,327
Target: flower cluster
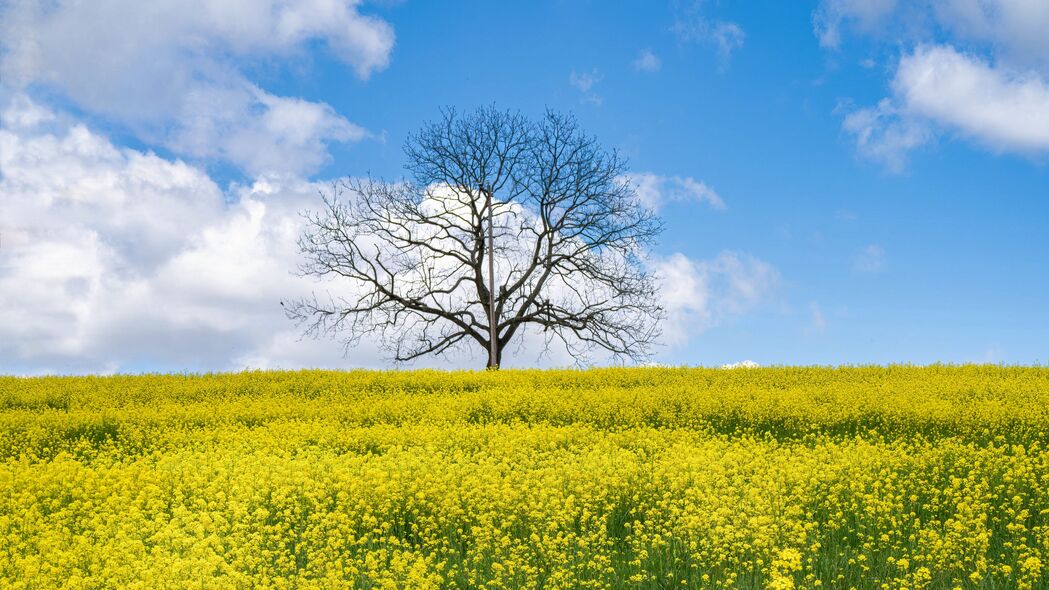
898,477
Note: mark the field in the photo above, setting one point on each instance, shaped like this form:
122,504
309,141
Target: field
897,477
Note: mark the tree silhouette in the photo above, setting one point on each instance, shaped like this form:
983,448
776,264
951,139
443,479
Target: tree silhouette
534,211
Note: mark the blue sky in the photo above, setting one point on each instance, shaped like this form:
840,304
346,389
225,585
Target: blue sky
882,167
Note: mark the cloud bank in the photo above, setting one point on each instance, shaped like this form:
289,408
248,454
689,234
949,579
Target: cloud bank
119,259
113,258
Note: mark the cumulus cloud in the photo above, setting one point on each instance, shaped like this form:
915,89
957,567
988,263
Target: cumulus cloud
1004,108
280,136
973,69
176,78
938,87
700,294
646,61
656,191
114,258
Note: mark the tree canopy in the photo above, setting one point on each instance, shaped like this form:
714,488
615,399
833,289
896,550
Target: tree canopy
568,237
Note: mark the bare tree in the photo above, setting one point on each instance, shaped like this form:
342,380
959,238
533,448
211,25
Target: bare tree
535,207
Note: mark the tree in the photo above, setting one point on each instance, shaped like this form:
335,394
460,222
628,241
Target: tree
535,207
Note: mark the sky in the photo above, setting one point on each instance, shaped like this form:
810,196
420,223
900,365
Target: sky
842,181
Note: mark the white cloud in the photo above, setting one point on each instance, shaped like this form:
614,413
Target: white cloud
865,15
175,76
994,91
883,135
282,135
728,37
1006,109
656,191
869,259
647,61
748,364
698,295
113,258
585,83
937,87
1015,29
693,24
23,113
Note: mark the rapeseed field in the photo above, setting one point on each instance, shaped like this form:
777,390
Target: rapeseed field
879,477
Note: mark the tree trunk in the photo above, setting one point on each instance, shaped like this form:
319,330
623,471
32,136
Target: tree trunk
493,340
495,354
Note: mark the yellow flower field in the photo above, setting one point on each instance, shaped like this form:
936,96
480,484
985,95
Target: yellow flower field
898,477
